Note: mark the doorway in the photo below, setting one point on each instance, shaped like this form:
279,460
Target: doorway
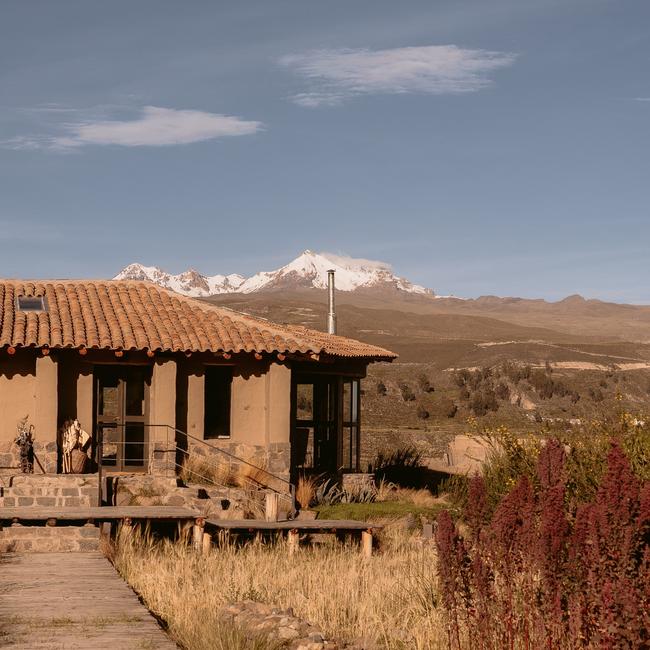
315,427
121,415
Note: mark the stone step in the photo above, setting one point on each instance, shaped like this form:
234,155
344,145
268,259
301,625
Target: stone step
59,501
47,539
50,480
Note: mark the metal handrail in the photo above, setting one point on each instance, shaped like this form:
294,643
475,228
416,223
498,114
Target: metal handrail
289,492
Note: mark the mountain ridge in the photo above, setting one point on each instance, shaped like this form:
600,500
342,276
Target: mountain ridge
308,270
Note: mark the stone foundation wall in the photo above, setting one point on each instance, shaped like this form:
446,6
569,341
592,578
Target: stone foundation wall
275,459
62,490
48,539
432,444
45,452
356,483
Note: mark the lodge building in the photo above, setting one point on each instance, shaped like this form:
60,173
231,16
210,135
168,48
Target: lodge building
152,371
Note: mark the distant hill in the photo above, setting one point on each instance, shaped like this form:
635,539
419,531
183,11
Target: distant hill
450,332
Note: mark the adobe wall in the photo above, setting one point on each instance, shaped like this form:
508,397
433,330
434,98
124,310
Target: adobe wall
28,386
259,416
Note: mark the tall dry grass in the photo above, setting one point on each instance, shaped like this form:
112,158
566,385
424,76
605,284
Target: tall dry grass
388,601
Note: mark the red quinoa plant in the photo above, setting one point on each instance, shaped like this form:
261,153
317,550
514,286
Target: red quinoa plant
542,571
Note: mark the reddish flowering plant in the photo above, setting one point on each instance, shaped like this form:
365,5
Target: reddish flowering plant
544,572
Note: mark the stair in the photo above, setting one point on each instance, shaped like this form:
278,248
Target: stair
54,490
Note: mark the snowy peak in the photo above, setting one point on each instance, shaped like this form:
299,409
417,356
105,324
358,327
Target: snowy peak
188,283
308,270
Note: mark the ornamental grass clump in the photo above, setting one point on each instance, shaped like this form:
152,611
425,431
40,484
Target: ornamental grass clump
543,570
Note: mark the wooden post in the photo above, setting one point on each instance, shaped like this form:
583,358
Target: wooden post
427,531
127,528
207,543
271,510
197,534
105,531
366,543
293,539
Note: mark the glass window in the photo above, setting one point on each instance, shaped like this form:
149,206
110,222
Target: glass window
31,303
304,401
350,433
134,447
109,399
218,383
135,392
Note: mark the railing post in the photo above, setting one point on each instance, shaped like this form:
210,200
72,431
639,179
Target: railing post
271,506
100,453
197,537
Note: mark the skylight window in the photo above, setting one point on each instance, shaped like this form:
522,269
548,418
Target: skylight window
31,303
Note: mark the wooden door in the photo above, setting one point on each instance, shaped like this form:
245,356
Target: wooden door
121,415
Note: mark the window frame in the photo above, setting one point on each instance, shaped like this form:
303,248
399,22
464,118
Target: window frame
42,308
227,419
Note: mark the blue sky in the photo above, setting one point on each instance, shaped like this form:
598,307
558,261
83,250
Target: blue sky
480,147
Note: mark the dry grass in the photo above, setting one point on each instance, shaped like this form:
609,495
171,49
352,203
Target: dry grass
418,497
306,490
199,470
388,601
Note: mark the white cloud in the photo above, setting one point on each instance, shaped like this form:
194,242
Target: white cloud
154,127
348,262
337,75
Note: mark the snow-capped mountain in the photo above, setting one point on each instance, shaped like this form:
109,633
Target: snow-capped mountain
188,283
308,270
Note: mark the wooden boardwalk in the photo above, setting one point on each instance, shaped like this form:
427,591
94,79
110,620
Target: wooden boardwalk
71,601
94,513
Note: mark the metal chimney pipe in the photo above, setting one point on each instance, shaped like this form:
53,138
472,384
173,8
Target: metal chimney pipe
331,309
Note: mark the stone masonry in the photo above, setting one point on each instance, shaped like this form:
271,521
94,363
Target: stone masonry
56,491
19,539
281,626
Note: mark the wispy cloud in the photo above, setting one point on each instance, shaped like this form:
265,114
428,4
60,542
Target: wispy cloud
337,75
154,127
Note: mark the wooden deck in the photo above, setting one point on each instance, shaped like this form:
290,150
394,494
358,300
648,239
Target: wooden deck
291,528
71,600
300,525
94,513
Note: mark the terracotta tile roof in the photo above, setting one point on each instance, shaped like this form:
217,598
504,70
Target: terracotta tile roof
133,315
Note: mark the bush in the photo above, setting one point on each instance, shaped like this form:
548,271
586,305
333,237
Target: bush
381,389
539,570
596,395
502,391
407,392
424,384
447,408
483,401
402,467
422,413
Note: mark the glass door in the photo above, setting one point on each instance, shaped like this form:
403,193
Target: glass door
121,415
314,428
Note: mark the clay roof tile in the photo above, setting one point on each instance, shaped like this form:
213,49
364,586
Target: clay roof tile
137,315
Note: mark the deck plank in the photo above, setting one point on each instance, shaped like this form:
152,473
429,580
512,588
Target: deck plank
315,525
71,600
104,513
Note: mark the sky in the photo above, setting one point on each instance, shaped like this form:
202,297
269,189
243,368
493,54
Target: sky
479,147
